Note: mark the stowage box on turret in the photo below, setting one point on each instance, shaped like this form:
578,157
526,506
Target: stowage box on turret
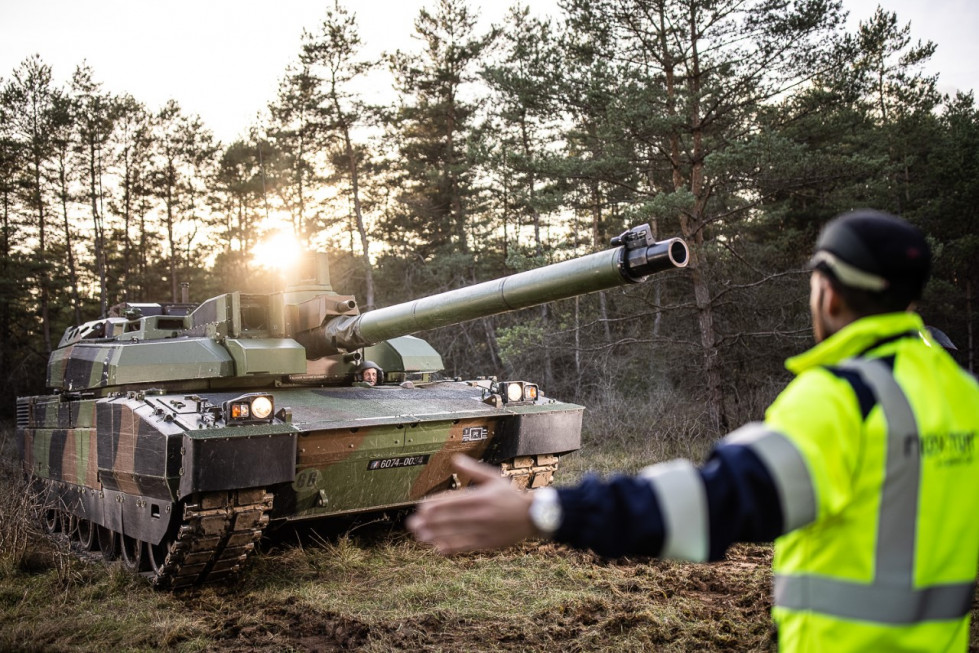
175,433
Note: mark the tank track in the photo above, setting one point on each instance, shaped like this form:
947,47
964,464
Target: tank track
218,532
530,472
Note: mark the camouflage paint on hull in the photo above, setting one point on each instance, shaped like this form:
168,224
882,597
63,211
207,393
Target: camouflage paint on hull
126,462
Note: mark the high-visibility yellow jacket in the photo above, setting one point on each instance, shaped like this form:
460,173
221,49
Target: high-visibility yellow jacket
866,470
873,450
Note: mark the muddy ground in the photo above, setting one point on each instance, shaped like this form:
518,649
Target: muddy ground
625,605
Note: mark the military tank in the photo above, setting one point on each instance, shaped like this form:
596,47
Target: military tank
176,433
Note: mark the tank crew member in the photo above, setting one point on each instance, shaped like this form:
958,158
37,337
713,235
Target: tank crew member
371,373
865,471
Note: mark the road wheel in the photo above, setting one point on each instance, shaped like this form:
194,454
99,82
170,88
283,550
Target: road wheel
87,535
51,521
158,554
133,554
108,543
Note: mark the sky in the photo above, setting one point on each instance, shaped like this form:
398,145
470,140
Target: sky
223,59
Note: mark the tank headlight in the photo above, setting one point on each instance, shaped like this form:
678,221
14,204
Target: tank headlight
249,409
262,407
518,392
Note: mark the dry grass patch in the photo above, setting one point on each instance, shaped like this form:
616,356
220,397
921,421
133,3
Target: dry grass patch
387,593
369,587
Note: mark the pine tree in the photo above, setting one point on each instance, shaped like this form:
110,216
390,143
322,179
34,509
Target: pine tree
184,151
238,202
335,52
131,158
64,175
524,124
690,78
950,216
434,123
16,310
296,133
94,122
28,98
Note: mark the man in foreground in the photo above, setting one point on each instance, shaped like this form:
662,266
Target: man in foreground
865,470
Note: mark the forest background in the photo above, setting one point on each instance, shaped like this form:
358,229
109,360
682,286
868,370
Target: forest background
740,126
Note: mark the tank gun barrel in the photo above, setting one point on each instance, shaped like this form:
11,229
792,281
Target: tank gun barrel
635,257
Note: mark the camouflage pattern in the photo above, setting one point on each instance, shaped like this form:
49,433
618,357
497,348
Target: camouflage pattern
132,458
178,432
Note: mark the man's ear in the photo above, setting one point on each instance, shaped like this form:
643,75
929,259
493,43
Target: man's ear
837,312
832,300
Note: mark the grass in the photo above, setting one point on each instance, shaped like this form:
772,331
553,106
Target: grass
372,588
379,591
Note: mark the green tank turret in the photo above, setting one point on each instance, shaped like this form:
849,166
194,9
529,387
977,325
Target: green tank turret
176,433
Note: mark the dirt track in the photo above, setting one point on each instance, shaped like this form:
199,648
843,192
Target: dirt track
654,605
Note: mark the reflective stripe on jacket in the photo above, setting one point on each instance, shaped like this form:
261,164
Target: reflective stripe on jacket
869,473
879,498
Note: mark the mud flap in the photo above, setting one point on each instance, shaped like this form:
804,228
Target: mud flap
228,463
536,433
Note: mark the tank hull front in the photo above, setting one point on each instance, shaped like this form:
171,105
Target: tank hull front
363,449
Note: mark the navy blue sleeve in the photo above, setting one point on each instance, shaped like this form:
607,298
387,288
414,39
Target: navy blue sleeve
622,516
613,518
742,499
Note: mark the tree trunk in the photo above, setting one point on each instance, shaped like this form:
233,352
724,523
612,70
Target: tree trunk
358,214
968,326
43,281
596,221
72,272
692,227
5,342
170,235
127,212
577,344
98,228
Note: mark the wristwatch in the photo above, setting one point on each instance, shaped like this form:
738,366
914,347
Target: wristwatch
545,510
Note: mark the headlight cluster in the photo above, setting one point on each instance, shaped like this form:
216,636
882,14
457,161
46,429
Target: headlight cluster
518,391
249,409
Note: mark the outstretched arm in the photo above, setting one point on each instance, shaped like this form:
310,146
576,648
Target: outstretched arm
672,509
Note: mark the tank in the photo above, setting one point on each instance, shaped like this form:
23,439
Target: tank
175,434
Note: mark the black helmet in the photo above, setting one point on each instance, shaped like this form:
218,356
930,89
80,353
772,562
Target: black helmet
874,251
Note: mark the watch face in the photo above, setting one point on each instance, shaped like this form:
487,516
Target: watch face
545,511
549,518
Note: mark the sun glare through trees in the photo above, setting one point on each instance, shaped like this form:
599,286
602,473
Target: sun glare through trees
277,251
741,127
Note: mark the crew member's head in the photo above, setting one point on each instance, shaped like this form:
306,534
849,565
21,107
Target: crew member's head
866,263
370,372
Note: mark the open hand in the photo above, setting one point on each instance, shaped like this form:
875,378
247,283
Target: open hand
488,515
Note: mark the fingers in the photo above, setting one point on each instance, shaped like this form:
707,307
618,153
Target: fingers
477,471
451,536
462,511
487,515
